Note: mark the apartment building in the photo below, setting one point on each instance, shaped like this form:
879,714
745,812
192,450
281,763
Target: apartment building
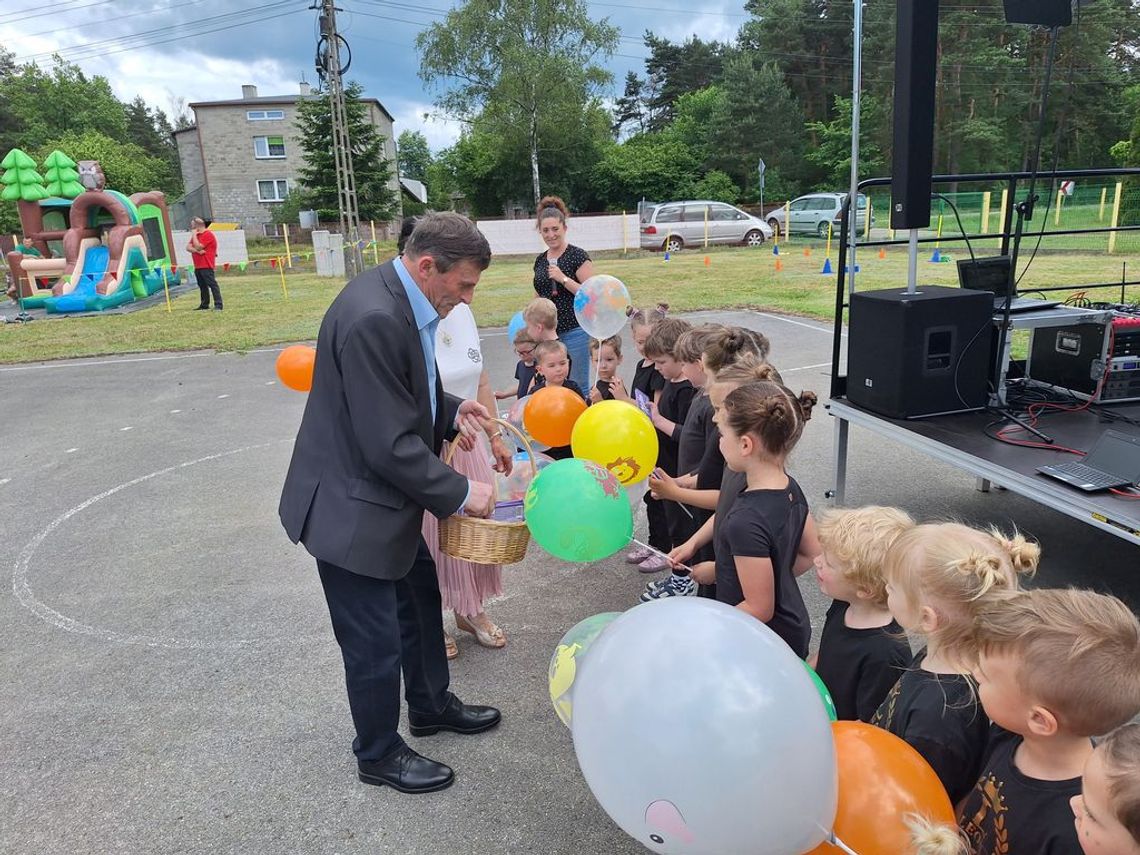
241,157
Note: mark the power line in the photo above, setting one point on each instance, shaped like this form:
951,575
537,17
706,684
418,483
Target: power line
95,48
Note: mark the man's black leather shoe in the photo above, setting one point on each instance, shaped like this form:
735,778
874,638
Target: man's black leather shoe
406,771
456,716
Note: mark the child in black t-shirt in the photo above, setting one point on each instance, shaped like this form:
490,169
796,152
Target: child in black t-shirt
768,537
1054,669
668,415
863,650
1108,809
606,356
705,488
524,346
552,367
939,577
648,381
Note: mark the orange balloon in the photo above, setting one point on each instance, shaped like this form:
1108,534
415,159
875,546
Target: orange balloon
550,414
295,367
881,780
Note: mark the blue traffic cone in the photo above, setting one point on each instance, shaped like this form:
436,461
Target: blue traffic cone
666,255
936,257
826,267
775,249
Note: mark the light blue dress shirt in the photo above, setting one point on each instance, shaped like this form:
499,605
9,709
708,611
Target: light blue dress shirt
427,319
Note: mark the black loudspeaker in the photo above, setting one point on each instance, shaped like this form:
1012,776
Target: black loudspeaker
916,48
1045,13
921,354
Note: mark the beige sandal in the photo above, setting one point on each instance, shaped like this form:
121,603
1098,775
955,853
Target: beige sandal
493,637
450,645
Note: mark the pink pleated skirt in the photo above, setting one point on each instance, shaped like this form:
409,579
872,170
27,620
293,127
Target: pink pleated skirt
464,585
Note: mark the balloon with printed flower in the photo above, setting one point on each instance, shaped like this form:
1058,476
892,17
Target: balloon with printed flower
601,305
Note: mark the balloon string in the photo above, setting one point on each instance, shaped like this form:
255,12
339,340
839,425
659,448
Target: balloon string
835,841
670,560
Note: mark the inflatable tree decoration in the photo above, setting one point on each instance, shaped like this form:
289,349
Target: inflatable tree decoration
21,181
62,179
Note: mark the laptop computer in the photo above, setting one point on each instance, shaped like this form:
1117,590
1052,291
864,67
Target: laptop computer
993,275
1113,462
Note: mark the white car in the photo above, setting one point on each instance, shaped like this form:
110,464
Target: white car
673,225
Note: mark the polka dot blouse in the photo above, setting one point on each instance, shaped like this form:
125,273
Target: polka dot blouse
571,259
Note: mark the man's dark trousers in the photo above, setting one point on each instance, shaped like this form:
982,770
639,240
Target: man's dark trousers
375,648
208,284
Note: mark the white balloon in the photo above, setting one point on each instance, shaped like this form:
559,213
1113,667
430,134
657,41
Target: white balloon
699,731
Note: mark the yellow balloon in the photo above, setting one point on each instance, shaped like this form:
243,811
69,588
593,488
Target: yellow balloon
618,436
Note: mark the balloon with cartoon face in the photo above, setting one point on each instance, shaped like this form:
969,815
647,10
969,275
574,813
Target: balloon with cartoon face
564,663
723,749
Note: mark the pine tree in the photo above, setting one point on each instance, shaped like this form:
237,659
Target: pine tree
630,107
375,198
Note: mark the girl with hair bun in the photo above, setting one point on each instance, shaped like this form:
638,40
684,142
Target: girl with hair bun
767,537
558,272
940,577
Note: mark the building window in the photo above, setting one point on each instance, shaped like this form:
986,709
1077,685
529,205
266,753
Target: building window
264,115
272,190
268,147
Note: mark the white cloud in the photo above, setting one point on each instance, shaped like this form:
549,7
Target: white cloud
191,75
440,131
708,22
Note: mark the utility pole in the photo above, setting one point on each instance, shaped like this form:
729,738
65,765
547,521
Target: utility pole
331,72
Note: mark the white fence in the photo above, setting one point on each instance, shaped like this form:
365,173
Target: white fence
231,247
520,237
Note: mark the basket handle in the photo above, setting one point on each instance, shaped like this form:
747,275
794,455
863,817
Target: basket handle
526,444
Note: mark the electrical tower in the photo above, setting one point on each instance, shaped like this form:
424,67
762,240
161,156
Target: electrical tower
331,72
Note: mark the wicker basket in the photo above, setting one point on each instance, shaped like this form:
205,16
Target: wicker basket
486,541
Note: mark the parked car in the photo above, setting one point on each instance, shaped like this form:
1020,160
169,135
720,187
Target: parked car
816,211
673,225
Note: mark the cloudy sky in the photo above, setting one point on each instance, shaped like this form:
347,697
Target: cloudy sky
202,50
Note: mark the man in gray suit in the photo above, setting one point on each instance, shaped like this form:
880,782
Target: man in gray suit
365,468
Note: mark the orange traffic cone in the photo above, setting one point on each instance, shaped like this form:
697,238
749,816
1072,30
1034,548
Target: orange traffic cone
708,261
882,252
807,252
779,264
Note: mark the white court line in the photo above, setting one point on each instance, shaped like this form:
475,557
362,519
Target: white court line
195,355
4,481
71,451
222,396
128,427
805,367
30,601
172,412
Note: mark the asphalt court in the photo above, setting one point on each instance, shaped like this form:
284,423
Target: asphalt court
170,682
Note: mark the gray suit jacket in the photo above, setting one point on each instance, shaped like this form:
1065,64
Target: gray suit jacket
365,465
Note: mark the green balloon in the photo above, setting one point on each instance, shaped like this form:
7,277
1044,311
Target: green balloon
824,695
577,511
568,656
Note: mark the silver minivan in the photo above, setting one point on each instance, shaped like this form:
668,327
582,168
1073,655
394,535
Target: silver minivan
816,212
674,225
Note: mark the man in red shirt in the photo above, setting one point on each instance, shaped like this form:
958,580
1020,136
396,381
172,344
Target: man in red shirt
203,247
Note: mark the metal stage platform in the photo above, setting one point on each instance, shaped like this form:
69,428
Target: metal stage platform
960,441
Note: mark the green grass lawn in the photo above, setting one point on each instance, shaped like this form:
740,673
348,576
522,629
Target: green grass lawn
257,314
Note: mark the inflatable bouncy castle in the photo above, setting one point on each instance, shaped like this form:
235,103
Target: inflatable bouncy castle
85,247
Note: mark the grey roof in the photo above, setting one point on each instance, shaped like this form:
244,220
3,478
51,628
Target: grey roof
184,130
415,189
280,99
